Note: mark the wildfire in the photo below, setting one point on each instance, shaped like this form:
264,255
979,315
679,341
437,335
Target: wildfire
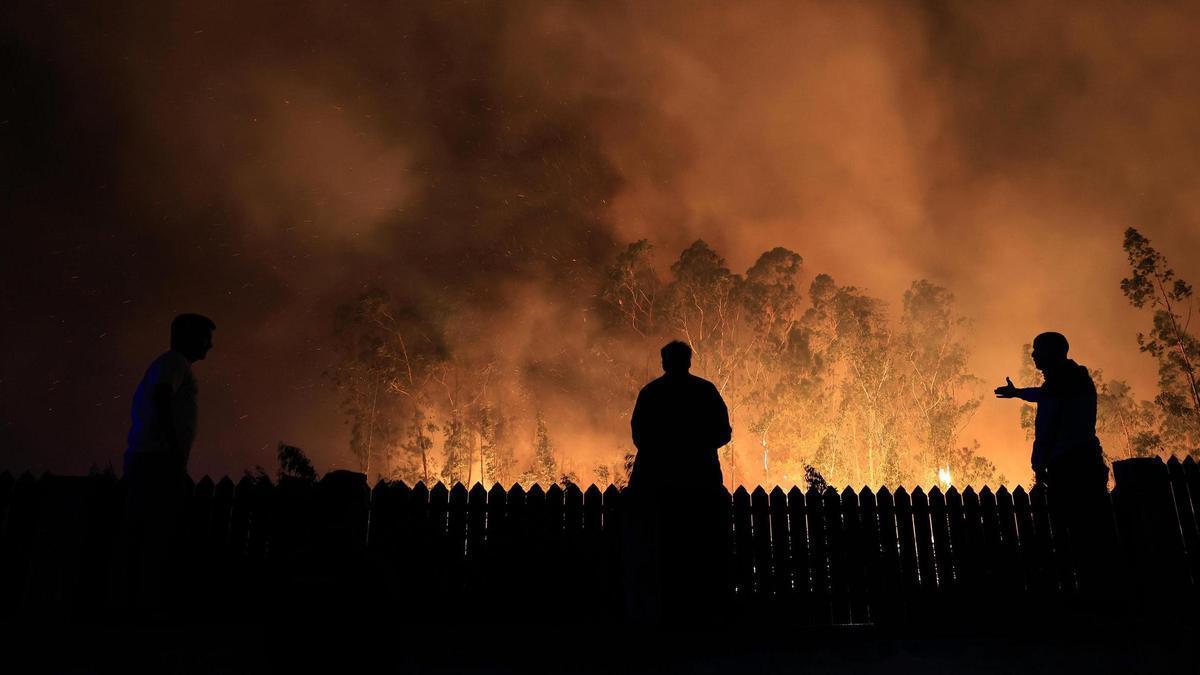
944,476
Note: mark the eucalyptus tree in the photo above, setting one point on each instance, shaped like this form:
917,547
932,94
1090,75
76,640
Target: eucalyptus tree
1171,341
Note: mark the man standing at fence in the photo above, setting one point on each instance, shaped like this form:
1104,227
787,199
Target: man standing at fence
161,431
678,534
1067,458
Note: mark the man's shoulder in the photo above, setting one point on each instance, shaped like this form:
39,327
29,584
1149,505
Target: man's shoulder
653,385
1077,378
170,364
676,383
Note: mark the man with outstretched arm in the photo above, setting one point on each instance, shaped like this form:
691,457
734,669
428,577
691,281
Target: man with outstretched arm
1067,458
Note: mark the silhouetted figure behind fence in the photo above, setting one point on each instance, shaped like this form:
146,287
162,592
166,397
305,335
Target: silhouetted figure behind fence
161,431
1067,457
677,529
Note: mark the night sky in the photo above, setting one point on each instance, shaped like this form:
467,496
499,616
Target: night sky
262,165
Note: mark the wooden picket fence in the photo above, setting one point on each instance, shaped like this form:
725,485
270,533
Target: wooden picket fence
415,553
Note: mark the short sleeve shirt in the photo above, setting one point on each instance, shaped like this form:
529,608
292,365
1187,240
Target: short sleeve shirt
145,432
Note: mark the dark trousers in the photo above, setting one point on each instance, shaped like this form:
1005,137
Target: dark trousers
155,493
1077,494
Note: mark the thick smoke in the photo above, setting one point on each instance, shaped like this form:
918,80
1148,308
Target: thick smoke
484,160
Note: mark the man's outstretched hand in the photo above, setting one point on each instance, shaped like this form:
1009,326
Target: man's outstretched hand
1007,391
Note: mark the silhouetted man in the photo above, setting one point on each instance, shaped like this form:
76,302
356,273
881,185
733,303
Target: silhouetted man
677,497
162,428
1067,457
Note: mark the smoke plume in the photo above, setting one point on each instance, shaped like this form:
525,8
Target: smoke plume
484,161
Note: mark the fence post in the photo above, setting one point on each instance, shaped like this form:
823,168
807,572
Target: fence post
343,510
1149,529
388,536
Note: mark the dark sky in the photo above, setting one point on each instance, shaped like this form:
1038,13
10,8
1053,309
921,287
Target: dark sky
263,164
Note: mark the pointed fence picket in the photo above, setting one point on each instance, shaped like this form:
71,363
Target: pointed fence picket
1047,577
743,548
760,524
573,541
838,556
990,562
781,547
612,513
889,575
798,563
871,550
1023,517
821,602
591,553
943,568
1007,552
476,551
926,562
909,570
456,542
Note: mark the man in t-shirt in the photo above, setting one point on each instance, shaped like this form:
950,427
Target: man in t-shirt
161,431
163,423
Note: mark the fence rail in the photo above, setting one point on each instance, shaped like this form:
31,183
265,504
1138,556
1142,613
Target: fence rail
808,557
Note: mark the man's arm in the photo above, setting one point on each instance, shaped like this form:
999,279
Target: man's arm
722,431
637,423
164,420
1009,390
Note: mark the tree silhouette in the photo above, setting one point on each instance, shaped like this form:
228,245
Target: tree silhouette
294,464
1153,284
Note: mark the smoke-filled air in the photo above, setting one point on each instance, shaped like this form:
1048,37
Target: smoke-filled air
446,241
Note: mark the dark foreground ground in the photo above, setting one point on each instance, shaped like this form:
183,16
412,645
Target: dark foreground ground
341,646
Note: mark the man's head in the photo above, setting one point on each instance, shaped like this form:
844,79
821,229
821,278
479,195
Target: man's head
1049,350
191,335
676,357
